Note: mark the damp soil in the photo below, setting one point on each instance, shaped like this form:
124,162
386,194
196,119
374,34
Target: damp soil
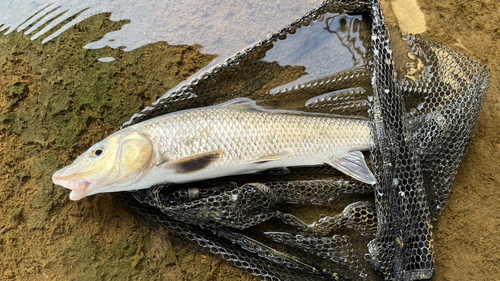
57,99
467,241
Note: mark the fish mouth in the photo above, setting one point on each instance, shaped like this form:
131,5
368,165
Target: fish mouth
78,187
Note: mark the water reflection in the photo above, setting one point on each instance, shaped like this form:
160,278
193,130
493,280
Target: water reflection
106,59
332,44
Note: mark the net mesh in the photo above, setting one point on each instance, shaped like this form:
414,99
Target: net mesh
422,126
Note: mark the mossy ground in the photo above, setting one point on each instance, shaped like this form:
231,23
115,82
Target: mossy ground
56,100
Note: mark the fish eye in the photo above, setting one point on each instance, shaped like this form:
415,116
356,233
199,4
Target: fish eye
98,152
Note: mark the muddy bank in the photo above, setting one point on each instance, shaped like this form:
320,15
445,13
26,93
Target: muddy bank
467,238
56,100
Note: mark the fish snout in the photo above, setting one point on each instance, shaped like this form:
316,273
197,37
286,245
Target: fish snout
78,187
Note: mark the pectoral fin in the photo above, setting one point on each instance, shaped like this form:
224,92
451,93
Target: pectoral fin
273,157
193,163
354,165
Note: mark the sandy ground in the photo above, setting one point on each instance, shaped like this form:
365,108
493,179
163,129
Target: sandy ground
468,237
57,99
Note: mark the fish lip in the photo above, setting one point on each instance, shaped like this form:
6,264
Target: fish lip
78,187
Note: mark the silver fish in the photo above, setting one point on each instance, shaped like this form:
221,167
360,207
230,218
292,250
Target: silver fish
233,138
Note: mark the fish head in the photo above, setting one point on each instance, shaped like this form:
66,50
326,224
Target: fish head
108,166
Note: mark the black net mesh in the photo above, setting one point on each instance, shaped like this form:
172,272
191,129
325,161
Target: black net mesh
422,126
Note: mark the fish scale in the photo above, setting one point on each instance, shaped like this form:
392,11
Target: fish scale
251,133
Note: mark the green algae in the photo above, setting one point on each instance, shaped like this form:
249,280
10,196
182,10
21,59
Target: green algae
70,86
103,263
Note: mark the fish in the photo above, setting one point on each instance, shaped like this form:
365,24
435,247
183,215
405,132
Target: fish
233,138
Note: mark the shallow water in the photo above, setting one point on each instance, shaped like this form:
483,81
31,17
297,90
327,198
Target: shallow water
220,27
58,96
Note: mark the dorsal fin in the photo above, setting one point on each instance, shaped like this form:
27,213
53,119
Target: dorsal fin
243,104
246,104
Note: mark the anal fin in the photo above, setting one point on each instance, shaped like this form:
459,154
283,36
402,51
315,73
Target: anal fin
193,163
354,165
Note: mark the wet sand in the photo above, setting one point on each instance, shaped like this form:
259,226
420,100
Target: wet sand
467,240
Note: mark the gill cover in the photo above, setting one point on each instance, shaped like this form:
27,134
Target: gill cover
133,154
